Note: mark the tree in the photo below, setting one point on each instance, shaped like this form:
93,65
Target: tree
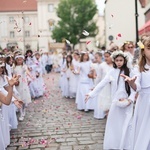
75,16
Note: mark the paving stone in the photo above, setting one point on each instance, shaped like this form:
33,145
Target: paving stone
54,120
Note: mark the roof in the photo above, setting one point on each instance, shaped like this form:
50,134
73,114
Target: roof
18,5
145,28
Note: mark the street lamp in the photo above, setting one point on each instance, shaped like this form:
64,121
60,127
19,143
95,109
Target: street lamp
136,22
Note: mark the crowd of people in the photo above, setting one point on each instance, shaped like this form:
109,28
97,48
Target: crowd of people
21,81
110,82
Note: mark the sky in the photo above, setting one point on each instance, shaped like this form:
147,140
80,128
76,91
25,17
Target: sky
101,6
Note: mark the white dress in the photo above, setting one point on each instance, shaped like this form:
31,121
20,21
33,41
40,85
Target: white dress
44,61
67,79
2,143
141,119
62,80
103,100
74,78
12,108
23,87
84,86
117,131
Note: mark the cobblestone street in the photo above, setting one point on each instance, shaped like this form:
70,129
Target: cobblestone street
54,123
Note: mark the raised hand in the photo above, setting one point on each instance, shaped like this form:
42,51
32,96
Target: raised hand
128,79
13,80
18,103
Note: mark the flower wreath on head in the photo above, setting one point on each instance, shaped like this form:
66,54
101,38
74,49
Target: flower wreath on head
124,55
119,53
141,45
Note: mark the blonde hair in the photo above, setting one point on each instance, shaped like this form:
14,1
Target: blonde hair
142,61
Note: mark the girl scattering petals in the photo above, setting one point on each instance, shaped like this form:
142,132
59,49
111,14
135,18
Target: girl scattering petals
22,87
117,135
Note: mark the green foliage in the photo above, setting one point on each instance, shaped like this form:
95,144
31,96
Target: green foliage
75,16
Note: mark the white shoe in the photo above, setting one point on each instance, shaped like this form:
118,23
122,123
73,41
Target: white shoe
23,114
21,118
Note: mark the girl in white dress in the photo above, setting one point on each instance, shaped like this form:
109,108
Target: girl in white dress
85,83
5,99
62,64
22,87
103,101
75,75
68,78
141,83
39,75
117,132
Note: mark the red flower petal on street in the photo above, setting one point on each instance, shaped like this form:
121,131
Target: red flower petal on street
79,117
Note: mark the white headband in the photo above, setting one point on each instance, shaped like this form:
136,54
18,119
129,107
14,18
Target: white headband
2,56
19,56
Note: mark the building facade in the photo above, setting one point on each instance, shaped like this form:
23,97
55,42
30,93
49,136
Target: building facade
18,24
145,29
29,24
120,21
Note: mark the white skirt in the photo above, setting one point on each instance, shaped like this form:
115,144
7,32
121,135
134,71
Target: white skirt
12,116
2,144
141,122
83,88
6,125
118,128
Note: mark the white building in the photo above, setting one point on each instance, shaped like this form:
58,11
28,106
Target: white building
120,20
18,24
30,23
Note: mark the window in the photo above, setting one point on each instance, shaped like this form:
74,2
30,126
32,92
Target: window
50,7
12,34
26,19
11,19
51,24
27,33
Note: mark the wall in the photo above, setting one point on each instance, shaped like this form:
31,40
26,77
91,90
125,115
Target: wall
120,19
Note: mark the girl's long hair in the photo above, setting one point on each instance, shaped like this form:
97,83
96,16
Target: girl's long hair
126,71
142,61
67,62
82,56
26,54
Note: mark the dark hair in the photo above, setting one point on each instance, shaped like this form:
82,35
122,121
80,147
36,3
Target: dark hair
126,72
4,70
67,62
82,55
7,59
26,54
